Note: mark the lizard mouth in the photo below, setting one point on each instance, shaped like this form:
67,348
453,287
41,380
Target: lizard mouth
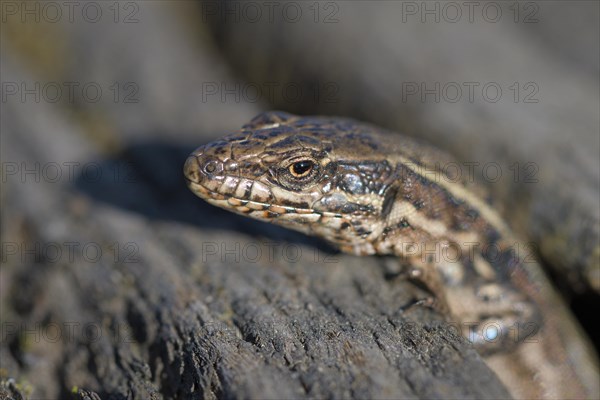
234,192
241,195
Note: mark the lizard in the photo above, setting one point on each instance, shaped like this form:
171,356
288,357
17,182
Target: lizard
370,191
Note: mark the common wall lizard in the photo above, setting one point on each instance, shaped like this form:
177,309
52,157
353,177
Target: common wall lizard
369,191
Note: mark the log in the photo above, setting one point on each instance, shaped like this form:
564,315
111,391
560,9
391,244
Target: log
118,283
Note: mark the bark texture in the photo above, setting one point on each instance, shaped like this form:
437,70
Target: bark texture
118,283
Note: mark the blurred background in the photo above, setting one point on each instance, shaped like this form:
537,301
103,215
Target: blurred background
102,102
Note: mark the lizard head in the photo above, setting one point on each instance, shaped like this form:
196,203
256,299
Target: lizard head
322,176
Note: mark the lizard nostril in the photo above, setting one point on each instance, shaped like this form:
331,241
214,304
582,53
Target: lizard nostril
212,166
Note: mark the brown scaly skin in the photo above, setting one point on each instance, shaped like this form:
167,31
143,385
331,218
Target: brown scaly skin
368,191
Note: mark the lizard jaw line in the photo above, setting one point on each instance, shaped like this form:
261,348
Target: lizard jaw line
244,206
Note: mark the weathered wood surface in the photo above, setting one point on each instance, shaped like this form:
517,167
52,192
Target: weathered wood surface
179,304
178,320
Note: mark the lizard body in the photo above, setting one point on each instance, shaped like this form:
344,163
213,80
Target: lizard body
369,191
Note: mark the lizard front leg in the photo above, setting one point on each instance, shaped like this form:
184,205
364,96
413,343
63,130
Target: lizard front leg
487,310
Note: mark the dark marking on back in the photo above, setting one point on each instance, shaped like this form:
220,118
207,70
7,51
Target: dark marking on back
472,213
388,201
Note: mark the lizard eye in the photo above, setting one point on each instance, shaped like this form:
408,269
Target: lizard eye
300,169
299,173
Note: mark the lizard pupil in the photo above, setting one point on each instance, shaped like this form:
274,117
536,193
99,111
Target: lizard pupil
301,168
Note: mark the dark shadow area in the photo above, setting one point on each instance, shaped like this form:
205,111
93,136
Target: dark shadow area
147,178
583,303
585,307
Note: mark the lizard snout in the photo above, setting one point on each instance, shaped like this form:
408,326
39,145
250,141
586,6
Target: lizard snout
199,166
191,169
